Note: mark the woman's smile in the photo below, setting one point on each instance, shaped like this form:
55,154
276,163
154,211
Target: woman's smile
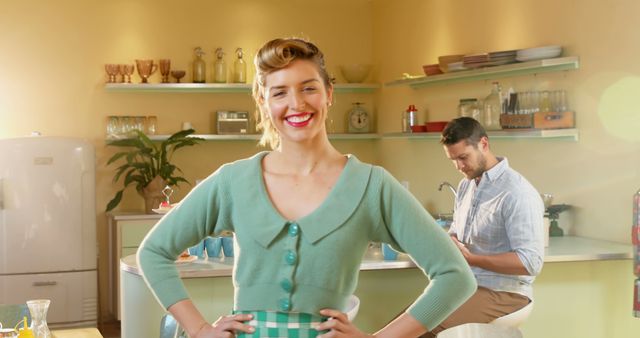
299,120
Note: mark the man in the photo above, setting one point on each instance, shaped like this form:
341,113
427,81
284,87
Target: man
497,226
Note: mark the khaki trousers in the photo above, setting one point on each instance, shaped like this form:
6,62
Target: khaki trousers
484,306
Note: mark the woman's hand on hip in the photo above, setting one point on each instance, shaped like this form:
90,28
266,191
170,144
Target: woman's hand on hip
226,327
339,325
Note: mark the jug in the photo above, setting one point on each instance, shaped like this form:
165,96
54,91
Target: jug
38,309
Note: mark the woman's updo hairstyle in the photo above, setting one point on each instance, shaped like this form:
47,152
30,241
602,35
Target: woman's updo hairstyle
275,55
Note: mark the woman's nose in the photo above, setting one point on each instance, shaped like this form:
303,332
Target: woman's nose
296,102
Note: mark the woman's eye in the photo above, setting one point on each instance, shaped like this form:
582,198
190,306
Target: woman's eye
278,93
309,89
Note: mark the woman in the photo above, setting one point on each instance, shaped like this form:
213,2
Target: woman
303,215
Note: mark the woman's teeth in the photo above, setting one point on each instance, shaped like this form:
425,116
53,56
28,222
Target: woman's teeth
299,118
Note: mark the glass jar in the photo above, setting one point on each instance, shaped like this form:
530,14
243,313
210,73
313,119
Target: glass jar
199,67
470,108
409,119
493,108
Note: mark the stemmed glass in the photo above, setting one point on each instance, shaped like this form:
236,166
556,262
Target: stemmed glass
126,71
178,74
112,71
165,67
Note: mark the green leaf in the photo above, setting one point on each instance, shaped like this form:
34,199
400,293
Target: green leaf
115,201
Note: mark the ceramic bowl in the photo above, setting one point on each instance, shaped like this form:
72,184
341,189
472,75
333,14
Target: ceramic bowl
433,69
355,73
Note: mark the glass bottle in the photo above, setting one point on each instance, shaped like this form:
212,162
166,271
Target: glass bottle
493,108
38,309
219,67
199,67
239,68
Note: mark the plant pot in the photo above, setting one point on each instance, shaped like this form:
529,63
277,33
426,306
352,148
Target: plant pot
152,194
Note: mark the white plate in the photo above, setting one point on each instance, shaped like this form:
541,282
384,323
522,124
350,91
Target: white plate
187,259
163,211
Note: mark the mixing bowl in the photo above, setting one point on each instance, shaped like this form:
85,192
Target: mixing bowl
355,73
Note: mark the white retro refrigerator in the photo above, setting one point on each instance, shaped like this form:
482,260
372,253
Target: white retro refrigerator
48,227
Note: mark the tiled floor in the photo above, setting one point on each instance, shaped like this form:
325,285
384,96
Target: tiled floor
110,330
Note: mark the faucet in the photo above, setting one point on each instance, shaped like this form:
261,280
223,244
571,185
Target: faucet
453,190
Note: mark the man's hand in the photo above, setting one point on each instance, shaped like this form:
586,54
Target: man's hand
463,249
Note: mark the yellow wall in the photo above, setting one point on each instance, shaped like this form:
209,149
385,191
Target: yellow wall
53,54
599,173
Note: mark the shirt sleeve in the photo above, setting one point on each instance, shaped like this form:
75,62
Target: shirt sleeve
197,216
523,217
413,230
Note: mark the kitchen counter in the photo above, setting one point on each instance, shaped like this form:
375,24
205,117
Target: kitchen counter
591,273
77,333
561,249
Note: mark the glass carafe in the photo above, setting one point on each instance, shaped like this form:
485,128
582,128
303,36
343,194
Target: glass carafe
38,309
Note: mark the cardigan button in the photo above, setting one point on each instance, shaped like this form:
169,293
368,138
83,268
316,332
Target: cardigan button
286,285
294,230
284,304
290,257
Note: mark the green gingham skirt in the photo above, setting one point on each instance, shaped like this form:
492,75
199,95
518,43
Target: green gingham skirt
272,324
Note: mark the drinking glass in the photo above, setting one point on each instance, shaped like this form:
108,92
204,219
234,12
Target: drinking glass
38,309
145,69
113,127
165,68
152,125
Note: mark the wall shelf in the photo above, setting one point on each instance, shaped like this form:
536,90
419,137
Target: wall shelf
514,69
571,134
526,133
256,137
220,87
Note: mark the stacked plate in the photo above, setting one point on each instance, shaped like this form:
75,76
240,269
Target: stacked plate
538,53
456,66
475,60
502,57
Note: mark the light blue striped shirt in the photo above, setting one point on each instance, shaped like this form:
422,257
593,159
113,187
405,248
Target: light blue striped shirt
504,213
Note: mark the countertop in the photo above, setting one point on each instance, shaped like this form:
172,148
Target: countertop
77,333
561,249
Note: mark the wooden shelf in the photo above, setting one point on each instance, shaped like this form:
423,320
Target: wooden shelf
220,87
525,133
514,69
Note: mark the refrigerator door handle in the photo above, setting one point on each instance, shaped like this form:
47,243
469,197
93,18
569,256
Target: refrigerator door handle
46,283
1,194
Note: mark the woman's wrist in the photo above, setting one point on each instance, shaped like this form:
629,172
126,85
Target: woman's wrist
202,326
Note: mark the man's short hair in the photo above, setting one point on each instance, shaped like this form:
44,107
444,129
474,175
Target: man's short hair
462,129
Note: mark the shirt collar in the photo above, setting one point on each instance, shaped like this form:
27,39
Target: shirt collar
334,211
497,170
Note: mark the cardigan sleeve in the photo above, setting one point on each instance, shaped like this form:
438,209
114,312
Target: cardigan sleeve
413,230
200,214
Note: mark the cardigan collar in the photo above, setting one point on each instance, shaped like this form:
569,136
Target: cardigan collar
334,211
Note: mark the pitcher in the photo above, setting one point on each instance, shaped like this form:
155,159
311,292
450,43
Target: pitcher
145,69
38,309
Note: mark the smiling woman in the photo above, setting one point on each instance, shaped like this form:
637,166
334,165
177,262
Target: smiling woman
313,213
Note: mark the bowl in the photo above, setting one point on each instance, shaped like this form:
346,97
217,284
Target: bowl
445,60
433,69
419,128
355,73
435,126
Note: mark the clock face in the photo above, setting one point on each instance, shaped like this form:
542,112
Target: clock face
358,120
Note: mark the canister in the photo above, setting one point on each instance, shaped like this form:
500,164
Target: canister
409,119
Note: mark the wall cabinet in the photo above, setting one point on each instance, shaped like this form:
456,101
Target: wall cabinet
126,232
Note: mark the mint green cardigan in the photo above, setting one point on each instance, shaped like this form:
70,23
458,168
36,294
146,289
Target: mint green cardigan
311,263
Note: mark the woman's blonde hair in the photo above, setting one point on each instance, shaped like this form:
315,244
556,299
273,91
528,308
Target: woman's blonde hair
275,55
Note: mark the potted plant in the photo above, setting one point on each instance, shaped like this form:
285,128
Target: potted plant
148,165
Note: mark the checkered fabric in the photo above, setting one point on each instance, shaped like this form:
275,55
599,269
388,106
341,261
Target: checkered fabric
272,324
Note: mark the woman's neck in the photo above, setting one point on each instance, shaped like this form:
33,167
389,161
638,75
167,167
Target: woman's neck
304,159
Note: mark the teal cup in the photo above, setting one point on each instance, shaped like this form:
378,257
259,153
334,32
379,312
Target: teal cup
388,254
213,245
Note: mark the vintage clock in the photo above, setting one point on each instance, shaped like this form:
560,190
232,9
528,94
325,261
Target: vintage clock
359,120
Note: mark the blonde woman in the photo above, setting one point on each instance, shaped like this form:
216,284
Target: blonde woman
303,215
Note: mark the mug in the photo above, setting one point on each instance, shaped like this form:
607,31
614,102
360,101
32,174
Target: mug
388,253
227,246
197,250
213,246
